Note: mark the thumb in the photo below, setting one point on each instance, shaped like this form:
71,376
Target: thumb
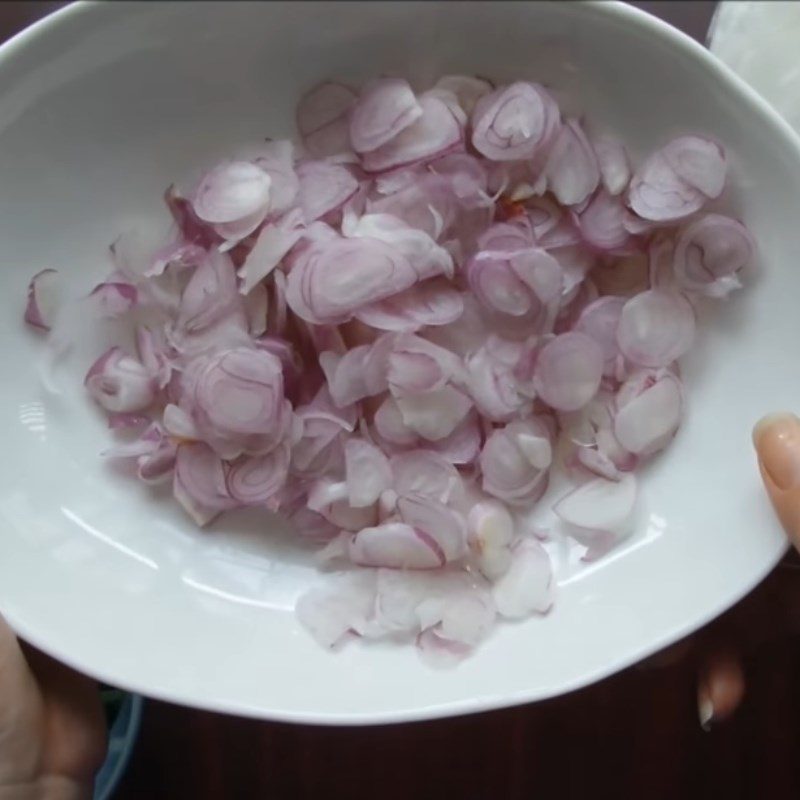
21,712
777,442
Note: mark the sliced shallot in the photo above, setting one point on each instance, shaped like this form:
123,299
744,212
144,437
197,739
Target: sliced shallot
397,546
526,587
615,170
515,462
649,408
367,471
514,122
678,180
710,253
599,512
324,187
656,328
42,299
436,131
231,192
385,107
568,371
114,298
392,331
572,171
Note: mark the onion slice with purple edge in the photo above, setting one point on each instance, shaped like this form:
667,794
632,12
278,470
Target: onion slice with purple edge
367,471
331,612
514,122
492,383
600,322
199,483
615,170
454,620
491,531
114,299
515,461
432,302
568,371
177,254
158,467
43,295
517,283
649,408
698,162
274,241
397,546
572,171
435,414
656,328
324,187
120,383
426,257
710,253
415,365
276,158
232,192
427,473
526,587
599,512
330,281
390,427
346,376
393,332
254,480
436,131
443,525
463,445
601,223
678,180
385,107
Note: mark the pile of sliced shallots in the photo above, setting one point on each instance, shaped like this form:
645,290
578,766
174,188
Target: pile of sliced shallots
391,332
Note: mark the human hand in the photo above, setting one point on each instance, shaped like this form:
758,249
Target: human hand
774,609
777,442
52,731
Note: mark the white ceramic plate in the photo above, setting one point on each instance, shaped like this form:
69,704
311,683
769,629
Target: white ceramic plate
101,106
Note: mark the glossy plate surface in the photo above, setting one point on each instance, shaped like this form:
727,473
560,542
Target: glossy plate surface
102,106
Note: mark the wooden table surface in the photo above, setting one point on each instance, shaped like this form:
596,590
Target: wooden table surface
633,736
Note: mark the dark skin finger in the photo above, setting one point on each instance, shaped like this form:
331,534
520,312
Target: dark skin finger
774,610
75,719
52,730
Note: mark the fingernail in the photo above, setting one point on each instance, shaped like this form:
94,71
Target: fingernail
769,421
705,707
777,441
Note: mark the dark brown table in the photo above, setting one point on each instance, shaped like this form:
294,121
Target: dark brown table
634,736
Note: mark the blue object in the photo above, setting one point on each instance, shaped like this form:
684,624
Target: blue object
121,739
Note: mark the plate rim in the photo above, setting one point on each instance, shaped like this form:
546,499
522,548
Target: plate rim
651,26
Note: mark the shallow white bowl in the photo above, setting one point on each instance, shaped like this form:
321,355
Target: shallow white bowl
103,105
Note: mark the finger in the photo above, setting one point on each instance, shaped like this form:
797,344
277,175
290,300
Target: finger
74,721
21,711
720,686
777,442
